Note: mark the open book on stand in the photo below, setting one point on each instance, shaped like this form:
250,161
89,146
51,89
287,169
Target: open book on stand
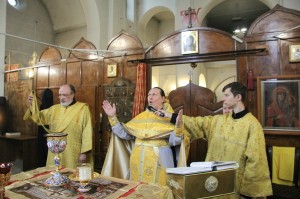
200,167
187,170
216,165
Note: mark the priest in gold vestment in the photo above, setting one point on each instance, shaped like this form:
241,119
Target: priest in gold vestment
236,136
153,134
71,117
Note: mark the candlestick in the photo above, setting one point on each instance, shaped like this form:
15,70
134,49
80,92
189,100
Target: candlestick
84,174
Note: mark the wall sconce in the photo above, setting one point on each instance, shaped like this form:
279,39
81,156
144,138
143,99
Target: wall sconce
30,73
18,4
240,32
13,3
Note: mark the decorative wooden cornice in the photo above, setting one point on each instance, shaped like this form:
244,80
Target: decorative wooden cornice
196,58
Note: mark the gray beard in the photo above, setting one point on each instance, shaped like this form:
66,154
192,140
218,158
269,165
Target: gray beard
65,104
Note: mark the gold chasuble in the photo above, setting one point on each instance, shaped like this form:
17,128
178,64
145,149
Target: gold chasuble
75,120
240,140
151,132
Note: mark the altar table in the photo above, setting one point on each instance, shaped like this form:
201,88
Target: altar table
30,184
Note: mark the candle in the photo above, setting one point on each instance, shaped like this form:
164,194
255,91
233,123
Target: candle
85,173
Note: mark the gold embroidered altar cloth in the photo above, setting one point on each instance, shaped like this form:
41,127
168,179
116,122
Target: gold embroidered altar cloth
31,185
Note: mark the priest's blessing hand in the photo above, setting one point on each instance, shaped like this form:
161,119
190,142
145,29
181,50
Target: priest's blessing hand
179,119
109,109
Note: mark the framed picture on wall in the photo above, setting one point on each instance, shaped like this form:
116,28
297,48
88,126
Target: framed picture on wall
112,70
294,53
279,104
189,42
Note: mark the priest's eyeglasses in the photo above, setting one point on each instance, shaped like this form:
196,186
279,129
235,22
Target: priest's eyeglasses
64,95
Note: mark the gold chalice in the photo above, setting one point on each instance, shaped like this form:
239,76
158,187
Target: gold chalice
5,172
56,143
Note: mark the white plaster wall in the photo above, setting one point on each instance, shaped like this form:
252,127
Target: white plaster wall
201,69
116,17
292,4
165,28
167,78
170,77
102,36
22,23
183,74
63,20
145,11
153,35
131,16
218,71
92,16
145,5
69,38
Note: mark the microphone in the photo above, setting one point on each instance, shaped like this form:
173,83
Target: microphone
150,108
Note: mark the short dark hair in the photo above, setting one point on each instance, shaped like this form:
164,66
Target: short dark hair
162,92
72,88
237,88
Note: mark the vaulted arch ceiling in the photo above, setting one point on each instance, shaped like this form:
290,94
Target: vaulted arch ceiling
231,14
65,15
227,15
156,23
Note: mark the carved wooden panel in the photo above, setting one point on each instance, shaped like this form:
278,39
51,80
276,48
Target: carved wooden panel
89,72
16,95
56,75
277,19
50,54
84,55
215,41
87,94
74,73
195,101
266,30
42,77
125,41
124,69
209,40
168,47
265,65
288,68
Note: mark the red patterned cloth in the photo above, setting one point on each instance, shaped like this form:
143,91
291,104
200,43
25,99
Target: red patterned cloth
140,90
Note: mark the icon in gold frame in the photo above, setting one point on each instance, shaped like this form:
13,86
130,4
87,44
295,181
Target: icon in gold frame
112,70
189,42
294,53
